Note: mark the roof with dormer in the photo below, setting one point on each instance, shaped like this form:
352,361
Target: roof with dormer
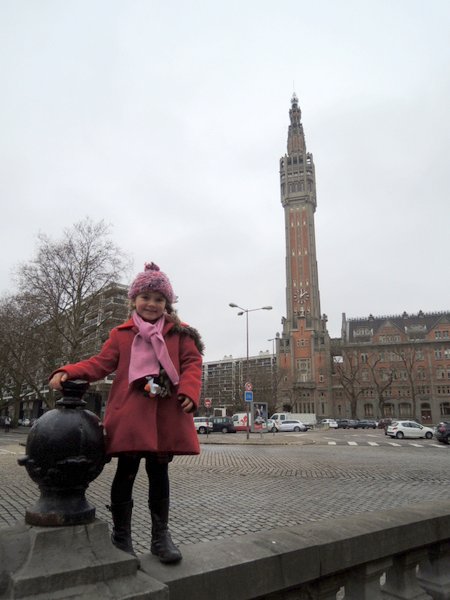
402,328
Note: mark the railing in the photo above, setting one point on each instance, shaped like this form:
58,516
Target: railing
401,554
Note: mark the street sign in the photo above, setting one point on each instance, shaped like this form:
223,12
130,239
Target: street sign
248,396
248,387
208,402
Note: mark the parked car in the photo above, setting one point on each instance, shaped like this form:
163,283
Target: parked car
223,424
271,425
383,424
329,423
408,429
365,424
202,424
291,425
442,432
346,423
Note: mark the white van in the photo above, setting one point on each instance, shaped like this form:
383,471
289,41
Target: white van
203,424
309,419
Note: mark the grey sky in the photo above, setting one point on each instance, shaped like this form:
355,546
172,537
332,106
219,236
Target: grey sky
167,119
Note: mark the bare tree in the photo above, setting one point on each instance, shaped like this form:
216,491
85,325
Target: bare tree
381,379
43,326
66,279
349,376
25,354
408,359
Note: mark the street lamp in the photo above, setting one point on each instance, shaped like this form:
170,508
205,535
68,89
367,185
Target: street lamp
245,311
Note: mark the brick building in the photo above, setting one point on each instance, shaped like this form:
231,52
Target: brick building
397,366
303,349
394,366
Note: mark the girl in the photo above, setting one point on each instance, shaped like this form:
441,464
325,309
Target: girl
158,365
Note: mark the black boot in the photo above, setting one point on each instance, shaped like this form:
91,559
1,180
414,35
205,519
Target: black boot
121,534
162,545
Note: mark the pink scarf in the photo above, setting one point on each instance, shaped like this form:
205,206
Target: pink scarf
149,351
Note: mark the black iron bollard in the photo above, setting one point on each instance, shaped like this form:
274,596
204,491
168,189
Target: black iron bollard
65,451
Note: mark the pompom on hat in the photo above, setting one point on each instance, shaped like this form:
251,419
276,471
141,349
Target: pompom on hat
152,280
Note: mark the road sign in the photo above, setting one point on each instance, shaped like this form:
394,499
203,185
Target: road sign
208,402
248,387
248,396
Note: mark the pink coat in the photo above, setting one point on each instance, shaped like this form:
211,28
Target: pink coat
133,421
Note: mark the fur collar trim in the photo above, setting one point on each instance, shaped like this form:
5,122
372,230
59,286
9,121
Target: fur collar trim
185,329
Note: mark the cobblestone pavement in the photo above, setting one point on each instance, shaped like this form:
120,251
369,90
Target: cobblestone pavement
238,486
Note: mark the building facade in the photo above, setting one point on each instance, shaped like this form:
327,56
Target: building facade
303,348
394,366
223,382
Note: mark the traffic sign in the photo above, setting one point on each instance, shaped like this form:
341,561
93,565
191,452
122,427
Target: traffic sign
248,396
208,402
248,387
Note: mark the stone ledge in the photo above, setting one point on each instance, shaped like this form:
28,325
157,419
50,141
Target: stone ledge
256,565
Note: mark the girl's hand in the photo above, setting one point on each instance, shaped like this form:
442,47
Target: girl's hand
186,404
55,381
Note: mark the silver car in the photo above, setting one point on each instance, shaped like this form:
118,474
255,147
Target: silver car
291,425
408,429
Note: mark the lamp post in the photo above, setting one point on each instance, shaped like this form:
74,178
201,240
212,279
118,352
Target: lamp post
245,311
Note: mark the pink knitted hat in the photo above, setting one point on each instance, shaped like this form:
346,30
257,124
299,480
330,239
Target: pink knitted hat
152,280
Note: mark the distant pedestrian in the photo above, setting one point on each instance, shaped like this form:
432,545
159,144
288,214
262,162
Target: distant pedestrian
158,365
7,423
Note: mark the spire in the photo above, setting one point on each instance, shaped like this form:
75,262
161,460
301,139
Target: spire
296,138
295,113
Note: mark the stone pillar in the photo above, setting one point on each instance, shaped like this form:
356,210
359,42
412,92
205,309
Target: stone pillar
434,572
363,583
401,581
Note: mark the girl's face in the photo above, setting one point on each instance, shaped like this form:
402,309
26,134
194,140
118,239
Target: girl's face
150,306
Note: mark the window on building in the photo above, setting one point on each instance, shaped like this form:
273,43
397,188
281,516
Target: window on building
389,339
425,412
445,409
364,358
443,390
388,410
368,410
404,410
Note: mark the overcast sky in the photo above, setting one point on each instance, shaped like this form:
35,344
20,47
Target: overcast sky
168,119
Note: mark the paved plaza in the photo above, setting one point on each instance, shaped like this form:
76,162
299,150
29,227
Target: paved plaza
238,486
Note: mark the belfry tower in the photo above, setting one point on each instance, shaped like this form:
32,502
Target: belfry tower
304,346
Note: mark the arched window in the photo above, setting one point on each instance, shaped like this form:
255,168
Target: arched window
404,410
445,409
425,412
388,410
368,410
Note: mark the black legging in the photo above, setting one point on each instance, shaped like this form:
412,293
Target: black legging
127,468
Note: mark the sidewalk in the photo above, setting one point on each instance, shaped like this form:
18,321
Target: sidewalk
265,439
240,437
